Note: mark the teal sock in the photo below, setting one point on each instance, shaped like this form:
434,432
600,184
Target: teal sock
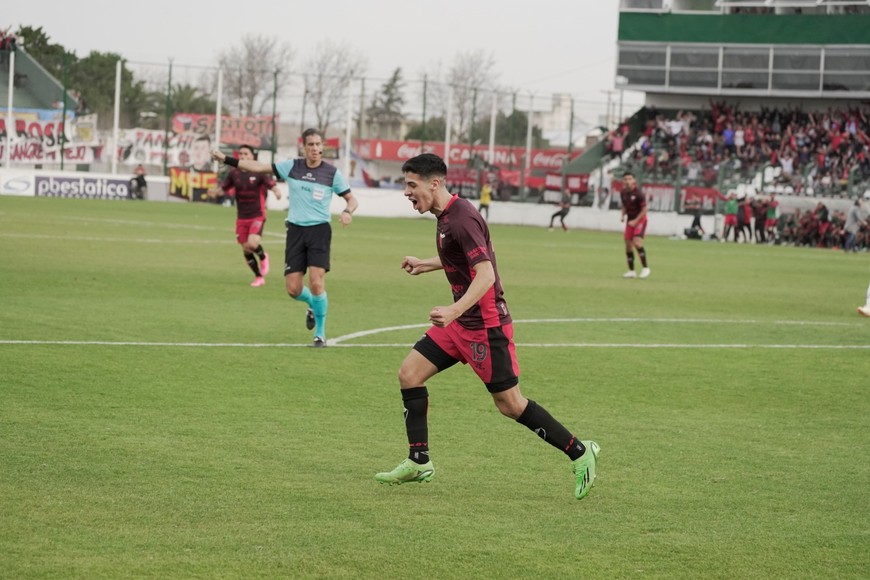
318,305
305,296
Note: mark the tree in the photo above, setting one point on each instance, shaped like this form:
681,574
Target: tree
249,72
471,75
385,111
333,67
436,128
38,44
189,99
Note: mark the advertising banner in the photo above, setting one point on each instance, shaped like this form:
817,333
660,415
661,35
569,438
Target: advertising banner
16,183
504,157
83,187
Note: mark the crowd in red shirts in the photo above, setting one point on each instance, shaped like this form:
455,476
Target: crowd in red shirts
814,150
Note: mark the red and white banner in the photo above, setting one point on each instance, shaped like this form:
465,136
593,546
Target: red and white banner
578,183
35,141
660,196
253,131
504,157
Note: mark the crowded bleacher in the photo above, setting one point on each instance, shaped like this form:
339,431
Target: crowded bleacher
812,152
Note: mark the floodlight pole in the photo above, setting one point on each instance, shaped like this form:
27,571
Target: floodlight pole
7,150
347,132
447,124
218,116
168,119
116,120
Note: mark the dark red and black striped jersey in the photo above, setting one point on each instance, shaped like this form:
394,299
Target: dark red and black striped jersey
462,238
250,190
633,201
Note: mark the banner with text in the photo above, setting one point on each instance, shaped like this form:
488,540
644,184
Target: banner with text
149,147
37,141
504,157
191,185
254,131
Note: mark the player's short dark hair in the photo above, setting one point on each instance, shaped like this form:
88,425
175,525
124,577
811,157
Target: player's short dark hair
203,138
309,132
249,148
427,165
627,173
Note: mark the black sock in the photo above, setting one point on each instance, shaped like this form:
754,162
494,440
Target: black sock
252,264
642,253
416,401
629,256
260,252
536,418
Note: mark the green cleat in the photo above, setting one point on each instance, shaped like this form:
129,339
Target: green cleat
584,468
407,472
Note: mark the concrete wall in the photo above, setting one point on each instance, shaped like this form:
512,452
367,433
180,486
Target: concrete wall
391,203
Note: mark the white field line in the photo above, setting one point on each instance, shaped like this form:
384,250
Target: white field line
408,345
340,341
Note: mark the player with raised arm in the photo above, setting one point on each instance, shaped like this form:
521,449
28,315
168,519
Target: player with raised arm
250,191
476,329
311,183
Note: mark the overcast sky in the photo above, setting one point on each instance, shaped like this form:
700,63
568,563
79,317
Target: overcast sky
542,46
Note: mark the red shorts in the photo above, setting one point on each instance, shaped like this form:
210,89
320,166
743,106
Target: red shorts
490,352
770,223
249,227
637,231
731,219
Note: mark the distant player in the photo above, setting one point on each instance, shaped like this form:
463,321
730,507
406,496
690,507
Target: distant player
634,208
564,208
485,198
250,191
771,221
476,329
731,209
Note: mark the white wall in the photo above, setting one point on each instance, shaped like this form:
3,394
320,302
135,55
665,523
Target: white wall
392,203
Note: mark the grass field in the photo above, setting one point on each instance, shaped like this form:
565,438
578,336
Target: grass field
160,418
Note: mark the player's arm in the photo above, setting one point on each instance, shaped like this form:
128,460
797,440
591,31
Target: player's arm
277,191
249,165
351,204
415,266
484,278
639,217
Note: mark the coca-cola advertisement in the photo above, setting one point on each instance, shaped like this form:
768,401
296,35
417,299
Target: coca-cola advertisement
503,156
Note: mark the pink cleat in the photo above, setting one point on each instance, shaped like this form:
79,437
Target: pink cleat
258,281
864,310
264,264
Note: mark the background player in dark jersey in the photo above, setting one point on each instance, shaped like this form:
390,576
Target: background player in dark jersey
634,208
475,330
250,191
564,208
